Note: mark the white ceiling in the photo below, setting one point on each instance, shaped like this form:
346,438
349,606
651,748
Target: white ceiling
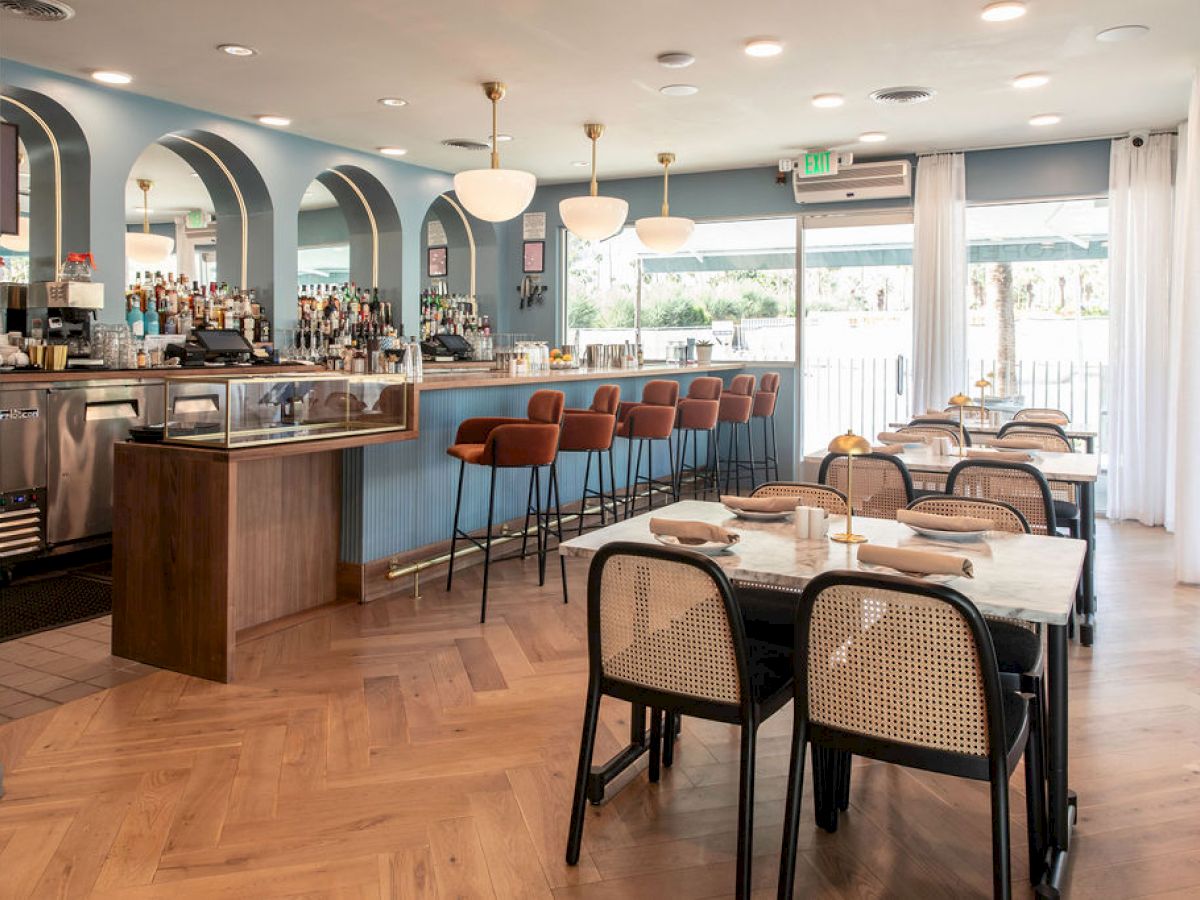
325,64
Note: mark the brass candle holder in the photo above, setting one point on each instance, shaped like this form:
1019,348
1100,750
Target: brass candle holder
962,401
851,445
983,384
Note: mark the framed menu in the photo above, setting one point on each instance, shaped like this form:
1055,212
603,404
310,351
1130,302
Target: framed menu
438,262
534,257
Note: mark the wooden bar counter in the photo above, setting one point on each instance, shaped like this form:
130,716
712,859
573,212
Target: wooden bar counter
211,543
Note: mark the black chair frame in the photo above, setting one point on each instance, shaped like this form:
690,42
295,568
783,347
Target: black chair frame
608,502
829,459
833,747
1004,465
749,713
707,477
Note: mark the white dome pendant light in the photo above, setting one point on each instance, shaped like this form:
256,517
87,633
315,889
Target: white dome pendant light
495,194
593,217
665,233
142,246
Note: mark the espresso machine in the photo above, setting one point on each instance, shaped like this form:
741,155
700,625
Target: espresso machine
58,312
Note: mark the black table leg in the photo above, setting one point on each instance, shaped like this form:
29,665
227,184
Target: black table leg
1087,526
1062,807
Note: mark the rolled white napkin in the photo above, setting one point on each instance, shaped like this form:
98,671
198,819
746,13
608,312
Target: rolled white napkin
938,522
899,437
691,532
759,504
1013,443
889,449
1052,418
1003,455
915,562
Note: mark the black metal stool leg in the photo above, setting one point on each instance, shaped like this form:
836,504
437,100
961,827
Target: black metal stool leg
628,473
612,485
750,451
525,528
562,562
542,537
462,467
587,472
487,546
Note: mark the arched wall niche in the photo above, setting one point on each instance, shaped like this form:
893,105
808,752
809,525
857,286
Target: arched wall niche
244,211
59,178
472,255
374,226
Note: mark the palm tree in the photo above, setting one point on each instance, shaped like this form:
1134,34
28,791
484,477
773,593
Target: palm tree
1006,330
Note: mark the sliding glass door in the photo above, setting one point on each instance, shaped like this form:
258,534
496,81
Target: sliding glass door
855,336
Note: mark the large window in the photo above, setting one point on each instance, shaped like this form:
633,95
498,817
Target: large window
733,285
1038,304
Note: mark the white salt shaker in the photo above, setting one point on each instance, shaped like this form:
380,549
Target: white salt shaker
818,523
800,520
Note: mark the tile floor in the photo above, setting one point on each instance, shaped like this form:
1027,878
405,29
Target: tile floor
53,667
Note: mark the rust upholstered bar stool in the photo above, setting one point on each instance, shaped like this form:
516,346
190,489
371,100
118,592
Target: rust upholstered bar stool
737,402
591,431
697,412
646,423
507,443
765,399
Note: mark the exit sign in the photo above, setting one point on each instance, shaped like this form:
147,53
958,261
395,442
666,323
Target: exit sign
823,162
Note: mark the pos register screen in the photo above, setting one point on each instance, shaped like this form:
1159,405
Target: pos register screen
223,341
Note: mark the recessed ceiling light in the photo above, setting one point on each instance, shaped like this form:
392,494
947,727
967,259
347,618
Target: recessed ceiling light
1003,11
763,47
392,151
581,163
237,49
1121,33
393,101
676,59
1045,119
1031,80
828,101
274,121
679,90
110,77
872,137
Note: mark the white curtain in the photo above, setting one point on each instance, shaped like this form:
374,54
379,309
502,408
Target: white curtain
1139,250
1184,500
940,275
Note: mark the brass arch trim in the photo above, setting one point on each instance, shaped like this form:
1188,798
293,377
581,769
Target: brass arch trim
237,192
371,219
470,236
55,153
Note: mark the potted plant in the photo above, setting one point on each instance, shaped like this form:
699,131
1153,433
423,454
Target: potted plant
704,352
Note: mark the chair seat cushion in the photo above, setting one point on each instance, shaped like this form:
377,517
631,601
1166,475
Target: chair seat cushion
921,492
586,431
770,667
768,614
1018,649
1016,717
1064,511
647,421
471,453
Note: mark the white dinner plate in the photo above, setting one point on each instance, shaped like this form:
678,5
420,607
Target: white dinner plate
757,516
960,537
888,570
708,548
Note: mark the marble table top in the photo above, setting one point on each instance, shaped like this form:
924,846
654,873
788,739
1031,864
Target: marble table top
1074,467
992,424
1019,576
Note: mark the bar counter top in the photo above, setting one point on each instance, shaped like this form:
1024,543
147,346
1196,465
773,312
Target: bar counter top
440,380
43,377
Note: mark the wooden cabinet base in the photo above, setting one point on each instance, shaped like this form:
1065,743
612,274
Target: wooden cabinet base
207,544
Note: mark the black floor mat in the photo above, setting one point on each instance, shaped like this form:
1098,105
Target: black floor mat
31,606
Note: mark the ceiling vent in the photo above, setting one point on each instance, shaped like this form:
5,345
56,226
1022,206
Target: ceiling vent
902,96
862,181
466,144
38,10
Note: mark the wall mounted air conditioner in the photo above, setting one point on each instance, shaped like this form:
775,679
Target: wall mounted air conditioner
860,181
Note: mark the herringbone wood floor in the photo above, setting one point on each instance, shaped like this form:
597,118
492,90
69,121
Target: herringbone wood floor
401,750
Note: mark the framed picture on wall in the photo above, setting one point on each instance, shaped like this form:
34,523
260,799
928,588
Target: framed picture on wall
438,262
534,257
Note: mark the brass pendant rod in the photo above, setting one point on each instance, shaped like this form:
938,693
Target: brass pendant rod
145,186
666,206
495,131
594,187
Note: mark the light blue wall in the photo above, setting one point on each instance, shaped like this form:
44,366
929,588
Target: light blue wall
119,125
1019,173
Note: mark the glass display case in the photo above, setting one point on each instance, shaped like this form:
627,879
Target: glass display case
254,410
